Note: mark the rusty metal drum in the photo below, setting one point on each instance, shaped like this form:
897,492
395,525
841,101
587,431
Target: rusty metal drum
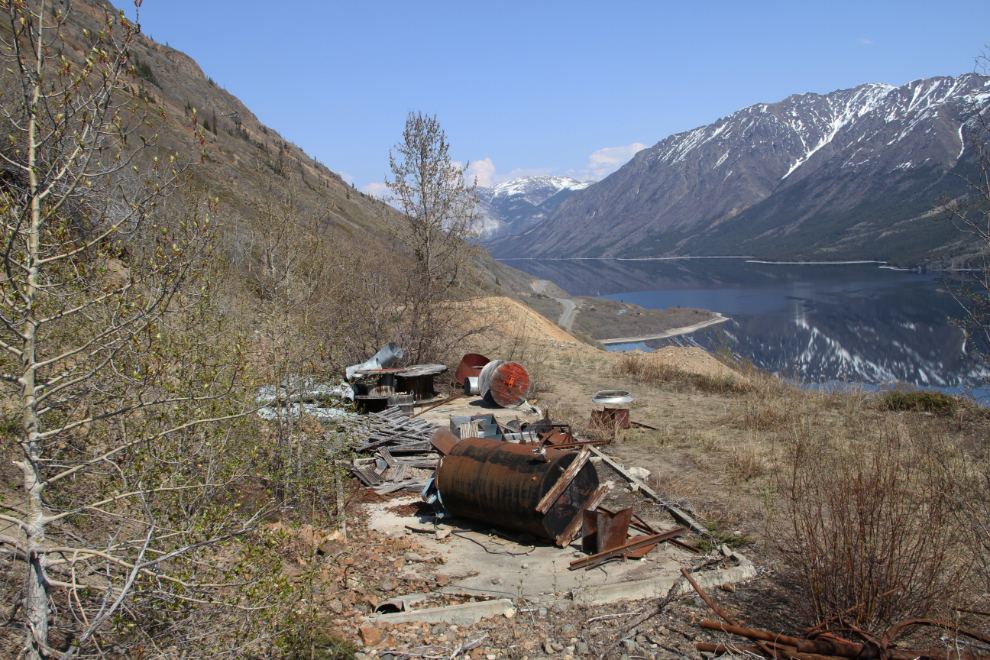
502,483
471,365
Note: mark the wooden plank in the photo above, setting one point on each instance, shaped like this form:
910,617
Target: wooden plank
678,515
565,537
564,481
387,456
367,476
400,472
634,544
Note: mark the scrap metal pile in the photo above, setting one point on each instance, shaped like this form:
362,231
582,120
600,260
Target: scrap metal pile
822,643
545,487
530,477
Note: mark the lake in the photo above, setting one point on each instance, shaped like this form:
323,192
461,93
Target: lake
817,323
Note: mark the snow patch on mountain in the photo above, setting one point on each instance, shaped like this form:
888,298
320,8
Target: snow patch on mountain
516,206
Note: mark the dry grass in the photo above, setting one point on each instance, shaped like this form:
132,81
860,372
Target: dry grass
860,493
653,369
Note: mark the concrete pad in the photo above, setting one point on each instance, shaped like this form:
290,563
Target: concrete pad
483,562
658,587
466,614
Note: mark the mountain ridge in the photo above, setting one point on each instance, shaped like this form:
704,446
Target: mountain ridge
514,206
814,176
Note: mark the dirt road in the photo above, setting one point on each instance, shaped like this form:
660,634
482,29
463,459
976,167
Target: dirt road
567,317
669,333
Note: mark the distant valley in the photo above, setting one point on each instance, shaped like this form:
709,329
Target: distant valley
853,174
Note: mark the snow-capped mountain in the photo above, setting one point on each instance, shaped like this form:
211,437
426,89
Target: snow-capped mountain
850,174
518,205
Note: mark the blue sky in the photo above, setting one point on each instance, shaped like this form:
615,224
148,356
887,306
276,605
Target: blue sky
545,87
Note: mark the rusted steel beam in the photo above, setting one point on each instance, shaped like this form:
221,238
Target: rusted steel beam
565,480
457,395
819,649
813,646
637,542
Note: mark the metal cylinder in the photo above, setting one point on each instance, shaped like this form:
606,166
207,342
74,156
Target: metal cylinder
501,483
471,385
485,377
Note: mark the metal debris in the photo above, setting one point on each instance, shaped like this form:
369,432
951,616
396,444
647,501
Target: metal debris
389,354
648,541
604,530
826,644
611,418
501,484
470,366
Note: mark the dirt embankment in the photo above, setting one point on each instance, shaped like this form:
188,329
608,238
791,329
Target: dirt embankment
508,317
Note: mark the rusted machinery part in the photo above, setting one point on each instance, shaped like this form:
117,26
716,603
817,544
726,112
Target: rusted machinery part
470,366
611,418
509,385
605,530
443,441
501,484
485,377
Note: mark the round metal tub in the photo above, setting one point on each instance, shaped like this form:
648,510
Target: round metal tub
501,483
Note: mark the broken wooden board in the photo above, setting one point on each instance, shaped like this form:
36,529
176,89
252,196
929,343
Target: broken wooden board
678,515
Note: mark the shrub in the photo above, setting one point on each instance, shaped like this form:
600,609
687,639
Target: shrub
308,639
863,518
920,401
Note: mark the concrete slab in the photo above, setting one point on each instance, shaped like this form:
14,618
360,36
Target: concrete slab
483,562
465,614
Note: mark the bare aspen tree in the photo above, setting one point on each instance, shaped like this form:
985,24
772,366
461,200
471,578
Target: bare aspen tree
109,354
438,209
291,269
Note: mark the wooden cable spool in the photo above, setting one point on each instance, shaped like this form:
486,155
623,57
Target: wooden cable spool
509,385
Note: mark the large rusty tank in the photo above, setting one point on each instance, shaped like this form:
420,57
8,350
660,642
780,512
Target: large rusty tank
503,483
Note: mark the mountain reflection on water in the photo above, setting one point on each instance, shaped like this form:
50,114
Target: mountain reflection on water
815,323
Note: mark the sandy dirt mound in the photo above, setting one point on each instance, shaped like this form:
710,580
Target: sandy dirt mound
511,318
689,359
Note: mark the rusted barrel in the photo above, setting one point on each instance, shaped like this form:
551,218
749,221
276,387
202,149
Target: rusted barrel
470,366
501,484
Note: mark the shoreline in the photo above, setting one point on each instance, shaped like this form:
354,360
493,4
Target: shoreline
673,332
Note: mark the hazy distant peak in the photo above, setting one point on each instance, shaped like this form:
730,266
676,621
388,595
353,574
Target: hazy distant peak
518,205
534,189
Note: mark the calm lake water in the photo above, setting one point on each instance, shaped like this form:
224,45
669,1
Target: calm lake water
815,323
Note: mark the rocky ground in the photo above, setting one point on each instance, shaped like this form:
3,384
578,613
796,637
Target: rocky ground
357,576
